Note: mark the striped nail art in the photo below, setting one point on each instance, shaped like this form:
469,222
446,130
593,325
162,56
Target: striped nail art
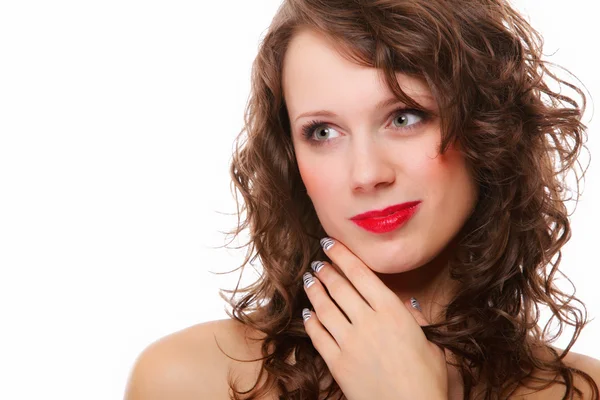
317,265
308,279
415,303
326,243
306,314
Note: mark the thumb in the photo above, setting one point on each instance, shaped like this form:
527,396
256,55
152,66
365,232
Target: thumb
414,307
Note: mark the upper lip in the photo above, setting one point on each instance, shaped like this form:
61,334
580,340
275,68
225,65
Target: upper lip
386,211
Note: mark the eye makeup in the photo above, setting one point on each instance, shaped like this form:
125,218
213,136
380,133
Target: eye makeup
310,127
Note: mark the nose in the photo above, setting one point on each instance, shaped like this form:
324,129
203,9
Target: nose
370,165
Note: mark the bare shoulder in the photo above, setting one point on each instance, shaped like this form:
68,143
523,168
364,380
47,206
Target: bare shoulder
188,364
585,363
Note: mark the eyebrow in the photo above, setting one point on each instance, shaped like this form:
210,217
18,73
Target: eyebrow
382,104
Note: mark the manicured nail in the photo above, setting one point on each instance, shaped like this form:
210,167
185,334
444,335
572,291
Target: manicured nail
306,314
317,265
415,303
326,243
308,279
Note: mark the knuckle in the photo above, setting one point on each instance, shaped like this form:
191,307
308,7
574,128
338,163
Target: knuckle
320,301
388,303
324,312
335,284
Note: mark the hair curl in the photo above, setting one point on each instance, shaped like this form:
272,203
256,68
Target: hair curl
483,64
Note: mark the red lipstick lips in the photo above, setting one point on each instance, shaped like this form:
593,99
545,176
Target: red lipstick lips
388,219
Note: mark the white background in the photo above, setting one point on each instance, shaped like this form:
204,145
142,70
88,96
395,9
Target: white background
117,121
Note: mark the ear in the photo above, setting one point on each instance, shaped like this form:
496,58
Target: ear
415,309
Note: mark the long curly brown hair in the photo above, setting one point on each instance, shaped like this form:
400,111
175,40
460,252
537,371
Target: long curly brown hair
483,63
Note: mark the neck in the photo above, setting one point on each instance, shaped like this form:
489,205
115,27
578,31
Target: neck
430,284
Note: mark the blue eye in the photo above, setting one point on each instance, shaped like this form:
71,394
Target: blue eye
404,118
316,131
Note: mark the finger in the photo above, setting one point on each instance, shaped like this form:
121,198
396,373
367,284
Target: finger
374,291
414,307
329,314
321,339
341,290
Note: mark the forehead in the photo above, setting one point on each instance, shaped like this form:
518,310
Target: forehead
316,74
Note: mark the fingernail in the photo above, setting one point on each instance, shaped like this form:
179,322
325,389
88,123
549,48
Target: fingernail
326,243
415,303
308,279
317,265
306,314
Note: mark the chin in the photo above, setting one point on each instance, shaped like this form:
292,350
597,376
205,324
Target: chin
393,261
394,267
396,256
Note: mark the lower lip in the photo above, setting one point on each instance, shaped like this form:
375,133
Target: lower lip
389,222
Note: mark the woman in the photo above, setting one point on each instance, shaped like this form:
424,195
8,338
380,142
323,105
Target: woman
403,178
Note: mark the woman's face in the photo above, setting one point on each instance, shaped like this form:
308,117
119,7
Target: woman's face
368,156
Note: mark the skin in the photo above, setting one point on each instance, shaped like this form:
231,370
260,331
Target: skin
369,159
380,351
369,167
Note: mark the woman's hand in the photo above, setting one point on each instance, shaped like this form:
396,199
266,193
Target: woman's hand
381,353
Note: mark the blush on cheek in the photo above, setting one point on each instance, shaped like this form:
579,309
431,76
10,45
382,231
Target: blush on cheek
314,178
436,177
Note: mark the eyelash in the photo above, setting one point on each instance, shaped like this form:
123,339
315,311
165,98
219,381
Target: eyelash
309,128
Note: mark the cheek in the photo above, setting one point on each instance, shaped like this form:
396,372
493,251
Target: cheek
446,181
440,179
434,172
420,169
317,178
318,173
